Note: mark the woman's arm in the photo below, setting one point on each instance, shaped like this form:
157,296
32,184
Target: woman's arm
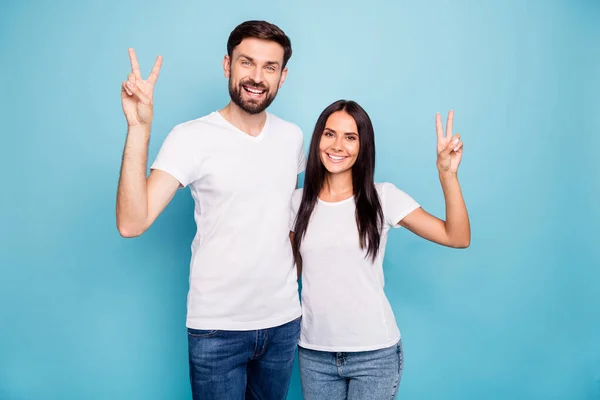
455,231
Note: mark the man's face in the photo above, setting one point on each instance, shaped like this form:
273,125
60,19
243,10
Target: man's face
255,71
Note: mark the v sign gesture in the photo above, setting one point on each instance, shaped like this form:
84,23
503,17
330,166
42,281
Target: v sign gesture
455,231
136,93
449,147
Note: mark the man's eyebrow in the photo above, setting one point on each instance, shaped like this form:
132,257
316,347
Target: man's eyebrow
252,60
242,55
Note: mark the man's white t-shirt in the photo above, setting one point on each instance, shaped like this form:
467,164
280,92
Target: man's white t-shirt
242,272
344,307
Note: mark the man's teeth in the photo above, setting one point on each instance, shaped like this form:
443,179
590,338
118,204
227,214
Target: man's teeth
255,91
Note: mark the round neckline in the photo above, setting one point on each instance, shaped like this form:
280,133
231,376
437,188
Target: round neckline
335,203
248,136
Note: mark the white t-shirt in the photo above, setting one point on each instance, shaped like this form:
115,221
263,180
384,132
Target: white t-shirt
242,272
344,307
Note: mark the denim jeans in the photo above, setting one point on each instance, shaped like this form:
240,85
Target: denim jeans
372,375
237,365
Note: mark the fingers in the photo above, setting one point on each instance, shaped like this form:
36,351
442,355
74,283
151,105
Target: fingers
459,147
137,92
125,88
130,78
438,127
454,145
155,70
449,123
135,66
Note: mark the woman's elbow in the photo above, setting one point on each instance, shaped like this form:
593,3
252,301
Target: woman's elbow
462,244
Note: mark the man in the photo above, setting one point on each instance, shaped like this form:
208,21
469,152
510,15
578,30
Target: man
241,164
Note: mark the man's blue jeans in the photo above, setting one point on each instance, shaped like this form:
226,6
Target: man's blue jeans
237,365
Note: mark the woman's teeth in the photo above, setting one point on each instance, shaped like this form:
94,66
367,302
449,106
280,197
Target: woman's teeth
335,158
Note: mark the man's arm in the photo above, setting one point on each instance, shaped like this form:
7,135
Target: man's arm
139,199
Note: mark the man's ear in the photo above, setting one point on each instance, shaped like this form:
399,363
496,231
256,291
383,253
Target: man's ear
226,66
283,76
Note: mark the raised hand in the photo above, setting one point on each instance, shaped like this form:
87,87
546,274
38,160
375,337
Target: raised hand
136,93
449,147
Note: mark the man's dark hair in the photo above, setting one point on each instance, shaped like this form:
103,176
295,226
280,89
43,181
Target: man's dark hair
260,30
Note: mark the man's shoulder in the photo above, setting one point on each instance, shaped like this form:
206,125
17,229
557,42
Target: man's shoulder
201,124
284,125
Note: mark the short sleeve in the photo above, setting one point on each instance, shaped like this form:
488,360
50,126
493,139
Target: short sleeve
176,156
396,204
296,200
301,156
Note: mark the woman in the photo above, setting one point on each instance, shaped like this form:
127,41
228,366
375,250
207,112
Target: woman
350,346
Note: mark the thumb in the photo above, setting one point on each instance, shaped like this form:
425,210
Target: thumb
137,92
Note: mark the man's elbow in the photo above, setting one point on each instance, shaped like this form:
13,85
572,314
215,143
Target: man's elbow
129,230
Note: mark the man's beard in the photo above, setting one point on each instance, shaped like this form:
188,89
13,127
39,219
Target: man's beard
250,106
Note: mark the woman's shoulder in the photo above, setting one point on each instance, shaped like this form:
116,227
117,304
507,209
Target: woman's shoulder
384,186
388,188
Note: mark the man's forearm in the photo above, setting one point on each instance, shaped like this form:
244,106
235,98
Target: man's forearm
132,197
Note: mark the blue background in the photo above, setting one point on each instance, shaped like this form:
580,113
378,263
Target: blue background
86,314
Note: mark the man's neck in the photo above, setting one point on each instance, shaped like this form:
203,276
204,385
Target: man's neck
251,124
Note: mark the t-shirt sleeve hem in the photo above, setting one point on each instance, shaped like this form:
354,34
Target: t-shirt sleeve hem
302,162
180,176
396,219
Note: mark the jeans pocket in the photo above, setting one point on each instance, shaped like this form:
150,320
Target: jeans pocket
202,333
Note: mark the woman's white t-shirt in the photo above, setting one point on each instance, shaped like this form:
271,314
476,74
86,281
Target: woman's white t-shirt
344,307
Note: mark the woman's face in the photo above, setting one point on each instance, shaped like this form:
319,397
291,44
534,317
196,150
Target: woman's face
339,143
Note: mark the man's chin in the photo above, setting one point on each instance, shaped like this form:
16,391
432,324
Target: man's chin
253,107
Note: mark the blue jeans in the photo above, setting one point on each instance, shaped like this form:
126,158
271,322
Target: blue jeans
373,375
237,365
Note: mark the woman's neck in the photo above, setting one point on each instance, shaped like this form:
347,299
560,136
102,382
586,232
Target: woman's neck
337,187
